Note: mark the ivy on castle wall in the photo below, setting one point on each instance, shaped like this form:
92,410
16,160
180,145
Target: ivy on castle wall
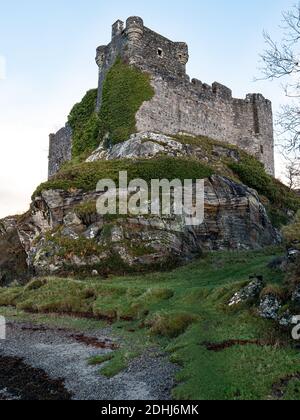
124,91
85,124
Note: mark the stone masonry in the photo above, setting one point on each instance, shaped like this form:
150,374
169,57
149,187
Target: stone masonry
60,149
180,105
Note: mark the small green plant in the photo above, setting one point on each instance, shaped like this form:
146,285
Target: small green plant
99,360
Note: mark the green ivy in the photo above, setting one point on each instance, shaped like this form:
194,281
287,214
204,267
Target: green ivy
124,91
85,124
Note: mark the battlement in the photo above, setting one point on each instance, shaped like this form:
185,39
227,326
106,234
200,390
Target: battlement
181,104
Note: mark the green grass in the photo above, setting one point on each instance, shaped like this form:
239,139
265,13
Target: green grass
252,173
291,232
85,176
99,360
180,311
118,363
67,322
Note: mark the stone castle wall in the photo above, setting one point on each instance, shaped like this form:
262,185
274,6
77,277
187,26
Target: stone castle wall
60,149
179,105
197,109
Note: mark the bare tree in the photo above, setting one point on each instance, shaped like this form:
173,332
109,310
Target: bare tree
293,172
282,61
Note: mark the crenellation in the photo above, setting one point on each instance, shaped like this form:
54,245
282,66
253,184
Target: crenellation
117,28
184,105
222,91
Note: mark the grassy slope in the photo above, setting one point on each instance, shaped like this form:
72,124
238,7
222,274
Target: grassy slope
179,311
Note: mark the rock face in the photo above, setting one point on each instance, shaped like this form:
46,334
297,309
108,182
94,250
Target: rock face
149,145
62,232
249,292
269,306
13,264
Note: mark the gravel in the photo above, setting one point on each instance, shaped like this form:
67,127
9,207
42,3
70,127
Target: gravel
61,356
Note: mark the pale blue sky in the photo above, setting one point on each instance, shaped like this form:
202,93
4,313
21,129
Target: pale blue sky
49,48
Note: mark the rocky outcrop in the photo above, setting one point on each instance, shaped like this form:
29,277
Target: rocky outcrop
13,264
150,145
269,306
249,292
62,232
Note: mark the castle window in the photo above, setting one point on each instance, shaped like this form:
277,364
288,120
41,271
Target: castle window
160,52
262,149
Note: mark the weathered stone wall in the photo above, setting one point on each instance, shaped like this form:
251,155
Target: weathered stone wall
198,109
60,149
140,46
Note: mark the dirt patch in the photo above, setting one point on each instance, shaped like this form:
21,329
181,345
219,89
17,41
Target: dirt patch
80,338
280,387
94,342
231,343
24,382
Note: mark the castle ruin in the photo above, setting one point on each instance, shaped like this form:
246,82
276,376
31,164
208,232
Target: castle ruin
180,105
